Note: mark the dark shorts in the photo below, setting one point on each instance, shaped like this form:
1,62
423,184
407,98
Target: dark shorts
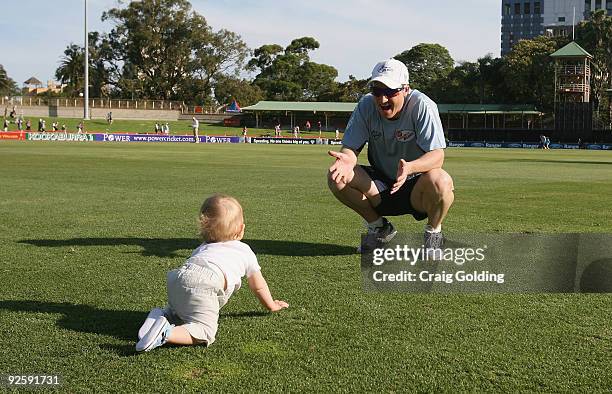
397,203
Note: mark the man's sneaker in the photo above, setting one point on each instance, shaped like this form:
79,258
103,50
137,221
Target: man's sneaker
146,326
433,245
157,335
377,237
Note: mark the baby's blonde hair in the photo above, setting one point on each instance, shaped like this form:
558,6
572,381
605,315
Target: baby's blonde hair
220,218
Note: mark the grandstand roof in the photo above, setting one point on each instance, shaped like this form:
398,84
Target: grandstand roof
302,106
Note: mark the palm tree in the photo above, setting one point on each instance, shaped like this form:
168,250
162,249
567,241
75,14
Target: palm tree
71,68
7,85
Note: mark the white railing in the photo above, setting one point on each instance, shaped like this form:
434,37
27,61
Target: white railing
93,103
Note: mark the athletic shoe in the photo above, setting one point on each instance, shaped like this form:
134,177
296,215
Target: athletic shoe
157,335
377,237
433,245
146,326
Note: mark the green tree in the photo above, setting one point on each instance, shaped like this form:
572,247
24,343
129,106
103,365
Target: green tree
529,71
245,92
289,74
71,69
171,50
595,36
426,63
7,85
350,91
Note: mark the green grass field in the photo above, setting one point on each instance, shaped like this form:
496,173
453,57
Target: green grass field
88,231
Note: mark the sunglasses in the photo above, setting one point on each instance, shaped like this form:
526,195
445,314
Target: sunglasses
387,92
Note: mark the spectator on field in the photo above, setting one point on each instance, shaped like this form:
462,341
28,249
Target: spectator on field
28,125
337,133
166,129
308,126
296,131
277,130
80,128
5,126
205,282
157,128
547,143
40,126
319,125
19,124
109,117
244,133
54,126
195,128
13,112
63,127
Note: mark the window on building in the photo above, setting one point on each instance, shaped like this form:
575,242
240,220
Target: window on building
506,9
527,7
517,8
609,5
537,9
597,4
587,5
561,19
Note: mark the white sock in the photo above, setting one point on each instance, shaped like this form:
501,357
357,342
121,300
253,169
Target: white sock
375,224
430,229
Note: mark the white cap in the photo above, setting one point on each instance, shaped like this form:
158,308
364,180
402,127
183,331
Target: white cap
392,73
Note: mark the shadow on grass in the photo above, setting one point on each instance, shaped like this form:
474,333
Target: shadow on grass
120,324
168,247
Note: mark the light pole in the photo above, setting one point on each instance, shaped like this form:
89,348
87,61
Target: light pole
86,103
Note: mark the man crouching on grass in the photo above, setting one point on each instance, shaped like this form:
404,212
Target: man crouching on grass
406,151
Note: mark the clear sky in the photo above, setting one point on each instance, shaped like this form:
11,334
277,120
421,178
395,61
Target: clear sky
353,34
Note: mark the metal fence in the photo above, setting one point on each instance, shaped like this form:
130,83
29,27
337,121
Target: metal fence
94,103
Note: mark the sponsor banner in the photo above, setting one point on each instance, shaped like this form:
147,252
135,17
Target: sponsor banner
220,140
62,137
283,140
12,135
492,263
231,122
523,145
606,147
164,138
334,142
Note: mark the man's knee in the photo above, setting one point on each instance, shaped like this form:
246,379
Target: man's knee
439,181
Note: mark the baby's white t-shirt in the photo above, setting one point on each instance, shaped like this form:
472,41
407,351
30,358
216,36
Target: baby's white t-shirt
236,259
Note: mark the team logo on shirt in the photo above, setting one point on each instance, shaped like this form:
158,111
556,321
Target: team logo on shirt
404,135
376,134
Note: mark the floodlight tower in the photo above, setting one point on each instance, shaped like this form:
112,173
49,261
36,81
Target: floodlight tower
86,90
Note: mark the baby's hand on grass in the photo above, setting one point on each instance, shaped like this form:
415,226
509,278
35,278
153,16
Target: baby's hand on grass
278,305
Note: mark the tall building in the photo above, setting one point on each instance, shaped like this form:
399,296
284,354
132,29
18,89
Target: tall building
526,19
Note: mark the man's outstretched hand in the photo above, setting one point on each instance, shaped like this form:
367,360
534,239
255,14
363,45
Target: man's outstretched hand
343,168
403,172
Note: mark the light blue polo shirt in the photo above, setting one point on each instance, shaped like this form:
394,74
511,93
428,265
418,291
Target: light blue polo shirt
416,131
